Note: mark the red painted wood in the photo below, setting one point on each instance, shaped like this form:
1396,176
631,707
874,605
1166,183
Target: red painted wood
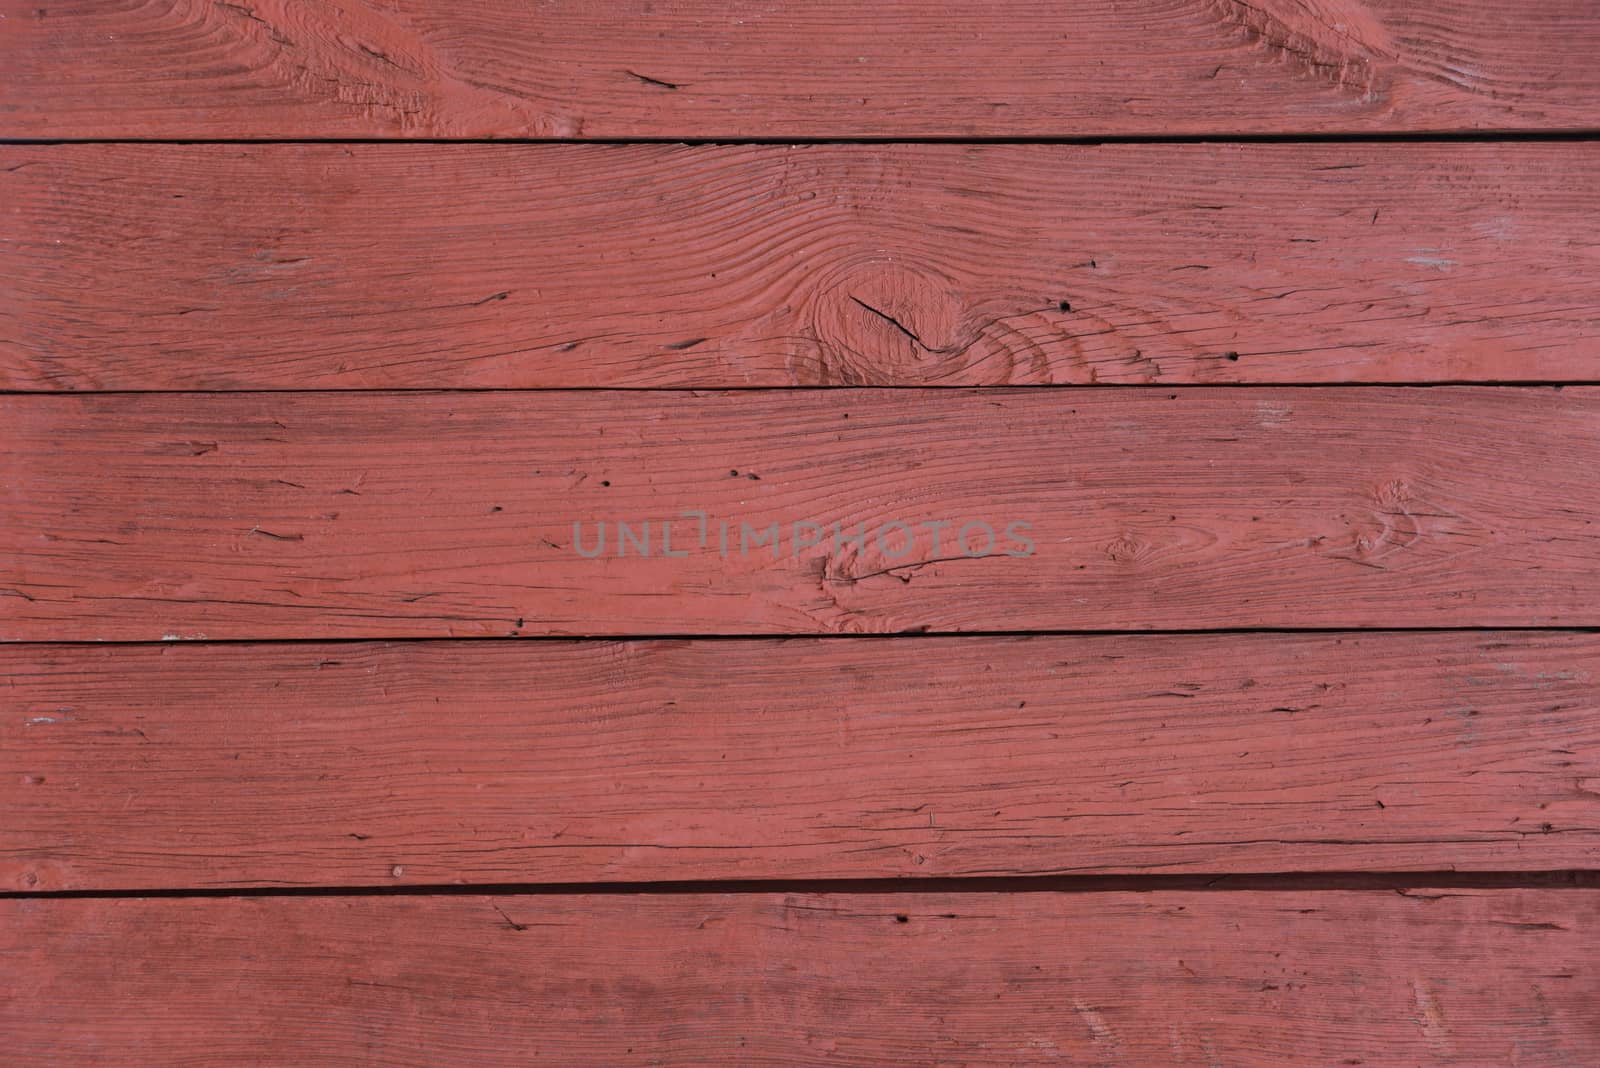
1249,980
146,767
220,267
133,768
831,68
431,515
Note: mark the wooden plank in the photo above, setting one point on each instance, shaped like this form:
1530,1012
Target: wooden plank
374,515
198,766
360,266
1428,978
835,68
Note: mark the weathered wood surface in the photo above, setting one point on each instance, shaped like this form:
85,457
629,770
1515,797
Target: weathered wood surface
361,266
199,766
835,68
464,514
1249,980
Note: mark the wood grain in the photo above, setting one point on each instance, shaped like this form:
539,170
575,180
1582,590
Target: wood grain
245,69
374,515
199,766
361,266
1250,980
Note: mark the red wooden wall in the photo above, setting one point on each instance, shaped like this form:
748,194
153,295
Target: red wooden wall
1261,336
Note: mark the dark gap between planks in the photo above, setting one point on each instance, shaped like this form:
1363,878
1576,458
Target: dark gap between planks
1220,137
1415,884
1055,387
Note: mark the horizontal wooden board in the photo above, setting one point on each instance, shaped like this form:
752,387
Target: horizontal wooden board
1425,978
360,266
835,68
198,766
186,516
